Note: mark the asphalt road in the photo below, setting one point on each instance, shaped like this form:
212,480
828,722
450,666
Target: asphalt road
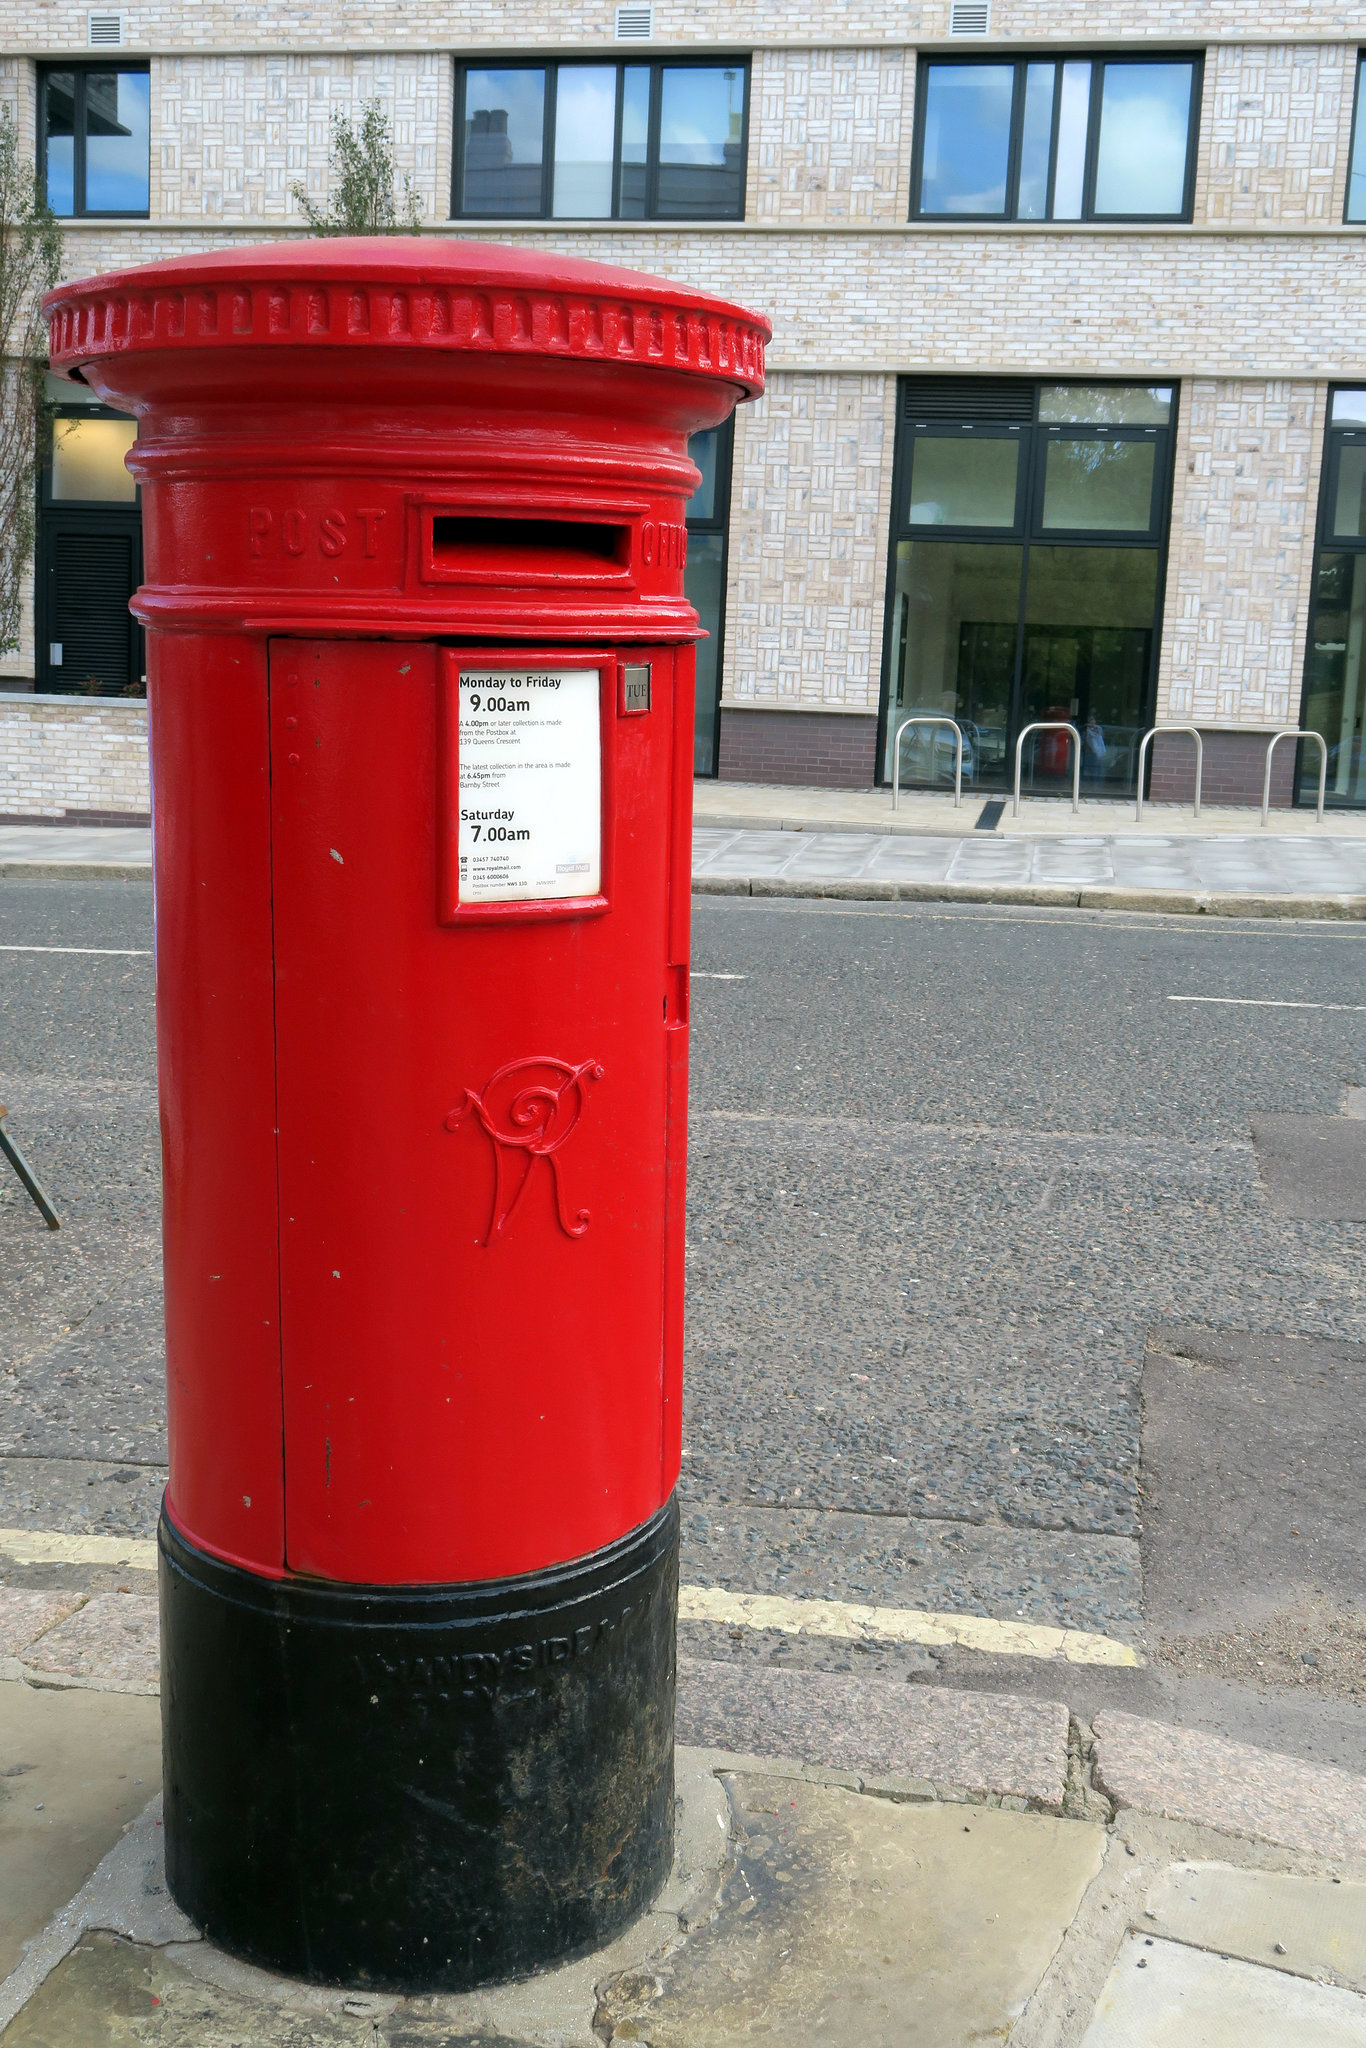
984,1270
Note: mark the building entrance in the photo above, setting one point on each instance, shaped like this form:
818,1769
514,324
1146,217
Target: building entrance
1027,556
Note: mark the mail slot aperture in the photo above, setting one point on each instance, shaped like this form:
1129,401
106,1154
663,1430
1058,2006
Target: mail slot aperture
473,547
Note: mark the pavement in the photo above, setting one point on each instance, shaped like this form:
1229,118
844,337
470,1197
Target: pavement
1023,1666
874,1867
757,840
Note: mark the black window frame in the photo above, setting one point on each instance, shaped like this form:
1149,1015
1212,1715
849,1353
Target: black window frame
1028,530
82,67
718,523
1350,219
1098,60
640,60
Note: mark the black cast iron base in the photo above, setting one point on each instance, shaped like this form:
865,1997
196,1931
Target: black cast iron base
419,1788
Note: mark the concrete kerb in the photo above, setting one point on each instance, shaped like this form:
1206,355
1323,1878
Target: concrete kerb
75,871
1036,895
1039,895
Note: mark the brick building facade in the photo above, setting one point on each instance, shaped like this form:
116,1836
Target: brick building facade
1245,304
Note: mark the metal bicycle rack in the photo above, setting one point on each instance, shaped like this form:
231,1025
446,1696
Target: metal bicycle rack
1291,732
1051,725
957,763
1199,763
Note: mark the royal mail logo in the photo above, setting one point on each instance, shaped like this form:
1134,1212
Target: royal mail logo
530,1110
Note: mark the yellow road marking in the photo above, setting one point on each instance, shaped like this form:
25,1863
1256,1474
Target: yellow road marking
50,1546
846,1619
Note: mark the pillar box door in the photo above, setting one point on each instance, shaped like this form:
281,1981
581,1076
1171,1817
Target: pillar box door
421,675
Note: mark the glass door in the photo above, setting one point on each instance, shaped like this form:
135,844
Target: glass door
1026,578
1334,680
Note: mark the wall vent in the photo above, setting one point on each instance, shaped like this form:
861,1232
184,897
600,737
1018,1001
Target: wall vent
105,31
969,17
967,398
635,24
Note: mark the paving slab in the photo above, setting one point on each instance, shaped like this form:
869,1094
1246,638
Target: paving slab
75,1770
1184,1774
840,1920
1162,1995
1311,1926
855,1923
113,1636
25,1614
980,1742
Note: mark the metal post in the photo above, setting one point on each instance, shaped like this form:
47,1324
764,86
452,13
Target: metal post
1199,763
1291,732
1051,725
957,763
27,1176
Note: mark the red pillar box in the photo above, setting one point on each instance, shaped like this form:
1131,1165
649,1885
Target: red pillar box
421,672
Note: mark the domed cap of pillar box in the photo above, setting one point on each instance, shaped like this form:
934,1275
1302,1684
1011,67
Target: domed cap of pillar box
387,293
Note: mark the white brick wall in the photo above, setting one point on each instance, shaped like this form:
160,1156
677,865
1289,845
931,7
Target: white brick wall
1241,556
1254,307
60,754
1275,133
810,503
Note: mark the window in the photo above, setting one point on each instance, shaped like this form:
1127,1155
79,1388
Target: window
95,138
1335,664
704,579
89,552
1356,169
1026,576
1078,138
590,141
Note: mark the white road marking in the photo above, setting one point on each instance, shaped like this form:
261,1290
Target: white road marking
105,952
1263,1003
846,1620
698,975
50,1546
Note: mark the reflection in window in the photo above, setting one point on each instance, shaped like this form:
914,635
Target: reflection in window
955,614
701,175
1141,152
87,461
504,132
1111,405
96,140
1095,486
960,482
635,139
1334,682
585,117
1356,170
1036,141
1090,620
1349,499
630,141
1078,139
965,152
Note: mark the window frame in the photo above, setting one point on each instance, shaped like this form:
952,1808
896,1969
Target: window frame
719,524
620,61
82,67
1019,63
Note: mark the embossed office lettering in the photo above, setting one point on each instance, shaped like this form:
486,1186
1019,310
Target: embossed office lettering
291,530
